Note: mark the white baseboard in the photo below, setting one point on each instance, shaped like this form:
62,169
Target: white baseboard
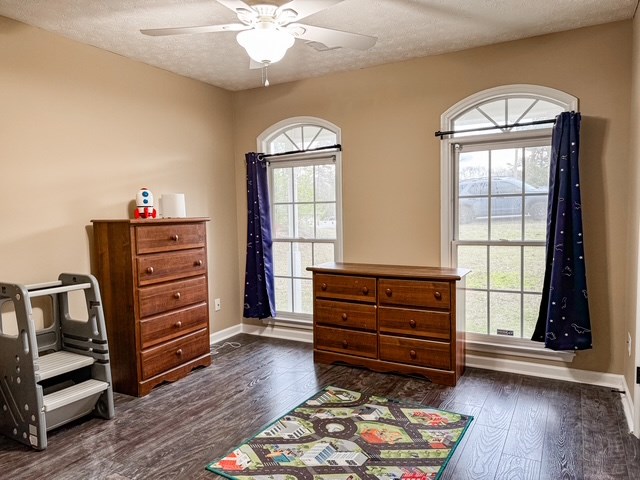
627,406
222,335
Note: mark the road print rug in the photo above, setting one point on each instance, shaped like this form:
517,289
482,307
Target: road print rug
338,434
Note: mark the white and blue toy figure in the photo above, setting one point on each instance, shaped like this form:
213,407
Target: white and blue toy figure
144,204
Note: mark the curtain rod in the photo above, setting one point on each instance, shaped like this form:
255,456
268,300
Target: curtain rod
337,147
523,124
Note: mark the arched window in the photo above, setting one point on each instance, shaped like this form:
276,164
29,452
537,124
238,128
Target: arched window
494,203
306,207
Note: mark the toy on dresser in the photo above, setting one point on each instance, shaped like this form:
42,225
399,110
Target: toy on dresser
144,204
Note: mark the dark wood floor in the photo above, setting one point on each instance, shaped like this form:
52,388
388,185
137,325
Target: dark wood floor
524,427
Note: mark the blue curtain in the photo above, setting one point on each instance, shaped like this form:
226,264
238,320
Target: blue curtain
563,320
259,293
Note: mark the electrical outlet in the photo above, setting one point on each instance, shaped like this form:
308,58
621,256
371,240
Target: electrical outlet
216,304
629,343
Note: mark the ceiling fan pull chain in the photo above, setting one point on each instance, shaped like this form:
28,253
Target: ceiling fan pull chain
265,74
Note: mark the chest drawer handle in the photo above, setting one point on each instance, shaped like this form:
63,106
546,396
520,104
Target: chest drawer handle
412,323
345,344
178,324
388,292
365,290
149,270
438,295
175,237
179,352
344,316
198,263
177,295
323,286
412,354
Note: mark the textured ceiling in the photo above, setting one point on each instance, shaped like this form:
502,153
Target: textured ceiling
405,29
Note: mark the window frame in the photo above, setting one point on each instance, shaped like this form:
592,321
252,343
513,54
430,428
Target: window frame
448,194
305,159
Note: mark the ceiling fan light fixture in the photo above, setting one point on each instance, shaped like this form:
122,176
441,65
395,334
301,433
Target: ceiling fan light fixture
266,43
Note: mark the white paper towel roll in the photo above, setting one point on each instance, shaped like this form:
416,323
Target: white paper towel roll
172,205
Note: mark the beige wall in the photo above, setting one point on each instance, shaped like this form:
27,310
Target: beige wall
391,159
81,130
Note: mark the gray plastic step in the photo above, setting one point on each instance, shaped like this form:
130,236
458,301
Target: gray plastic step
57,363
72,394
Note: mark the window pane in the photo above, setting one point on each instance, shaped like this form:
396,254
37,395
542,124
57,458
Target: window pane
534,267
326,220
281,144
505,312
301,259
476,311
473,165
310,132
283,295
304,221
517,106
471,119
475,259
326,138
531,306
282,258
506,227
283,221
295,135
282,185
496,111
537,161
303,191
504,268
303,295
326,183
507,163
473,223
535,223
323,253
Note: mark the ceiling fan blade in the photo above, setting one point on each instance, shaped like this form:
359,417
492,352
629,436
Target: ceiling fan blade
303,8
331,38
237,6
230,27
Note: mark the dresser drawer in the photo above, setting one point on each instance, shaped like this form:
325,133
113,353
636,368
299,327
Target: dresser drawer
171,354
162,238
154,330
342,314
170,296
160,267
415,323
345,287
360,344
422,353
414,293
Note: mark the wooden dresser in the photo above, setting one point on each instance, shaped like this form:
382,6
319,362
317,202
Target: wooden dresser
153,280
390,318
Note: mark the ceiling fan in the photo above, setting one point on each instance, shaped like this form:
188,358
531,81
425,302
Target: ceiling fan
267,31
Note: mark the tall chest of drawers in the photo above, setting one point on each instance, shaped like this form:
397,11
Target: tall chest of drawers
153,280
390,318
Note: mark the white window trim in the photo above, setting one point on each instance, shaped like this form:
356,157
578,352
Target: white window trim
478,342
293,319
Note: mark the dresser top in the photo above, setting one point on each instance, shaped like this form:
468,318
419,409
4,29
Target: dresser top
153,221
399,271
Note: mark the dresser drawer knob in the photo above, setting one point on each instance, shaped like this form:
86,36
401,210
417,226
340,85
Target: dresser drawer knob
365,290
412,323
178,324
323,286
388,292
345,344
344,316
198,263
177,295
179,352
438,295
149,270
412,354
175,237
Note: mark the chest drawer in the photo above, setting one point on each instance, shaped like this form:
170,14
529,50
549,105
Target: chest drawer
171,354
346,341
160,267
414,293
349,315
415,352
170,296
345,287
162,238
159,329
415,323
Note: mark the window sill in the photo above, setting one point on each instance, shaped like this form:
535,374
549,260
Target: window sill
289,322
518,347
